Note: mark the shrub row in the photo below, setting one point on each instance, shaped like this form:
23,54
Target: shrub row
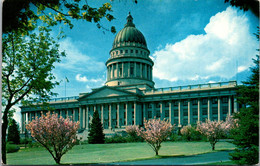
11,148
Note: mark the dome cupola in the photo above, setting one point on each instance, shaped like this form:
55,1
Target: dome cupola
129,35
129,65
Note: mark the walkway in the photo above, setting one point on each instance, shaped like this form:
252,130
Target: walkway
182,160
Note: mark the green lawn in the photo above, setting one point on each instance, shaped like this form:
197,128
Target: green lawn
102,153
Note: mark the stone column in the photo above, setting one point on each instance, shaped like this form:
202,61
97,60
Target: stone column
102,114
135,69
162,110
118,115
209,109
73,115
141,70
144,112
67,113
153,110
189,113
80,117
199,111
117,70
123,71
129,66
219,109
135,114
171,115
229,106
180,112
110,116
145,71
126,114
235,105
84,117
87,117
112,71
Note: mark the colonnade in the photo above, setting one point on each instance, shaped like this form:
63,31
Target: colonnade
118,115
129,69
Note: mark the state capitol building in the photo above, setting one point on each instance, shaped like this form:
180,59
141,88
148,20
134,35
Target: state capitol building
128,96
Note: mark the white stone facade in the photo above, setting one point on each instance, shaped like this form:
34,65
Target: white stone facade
128,97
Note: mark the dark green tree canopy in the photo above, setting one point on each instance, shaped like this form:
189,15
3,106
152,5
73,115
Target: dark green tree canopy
13,132
28,61
96,135
23,15
246,136
245,5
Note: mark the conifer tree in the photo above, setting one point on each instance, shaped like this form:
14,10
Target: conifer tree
246,136
13,132
96,135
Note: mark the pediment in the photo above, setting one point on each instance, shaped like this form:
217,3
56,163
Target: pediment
106,92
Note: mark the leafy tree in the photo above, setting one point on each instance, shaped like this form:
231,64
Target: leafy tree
214,130
245,5
13,132
246,136
96,135
23,15
190,133
56,134
131,131
155,131
27,71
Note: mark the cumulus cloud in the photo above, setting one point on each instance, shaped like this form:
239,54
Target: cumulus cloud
76,60
85,79
226,42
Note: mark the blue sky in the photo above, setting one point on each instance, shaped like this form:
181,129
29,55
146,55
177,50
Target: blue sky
191,42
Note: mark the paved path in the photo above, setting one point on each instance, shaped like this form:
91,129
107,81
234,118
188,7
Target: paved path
182,160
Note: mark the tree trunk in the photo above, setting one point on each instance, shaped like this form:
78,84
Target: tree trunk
156,152
213,146
4,128
57,159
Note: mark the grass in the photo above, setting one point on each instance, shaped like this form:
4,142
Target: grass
222,163
106,153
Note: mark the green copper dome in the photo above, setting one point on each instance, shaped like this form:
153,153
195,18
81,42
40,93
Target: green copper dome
129,35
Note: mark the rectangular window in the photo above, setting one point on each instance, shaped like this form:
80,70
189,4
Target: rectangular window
214,100
149,114
214,110
150,105
158,114
131,70
120,72
176,103
166,113
136,51
176,113
195,111
131,51
224,109
126,51
185,112
204,111
121,51
225,100
204,101
185,102
195,102
167,104
158,105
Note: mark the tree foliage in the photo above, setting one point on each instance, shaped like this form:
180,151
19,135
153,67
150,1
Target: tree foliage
23,15
56,134
245,5
13,132
214,130
246,136
155,131
96,135
28,61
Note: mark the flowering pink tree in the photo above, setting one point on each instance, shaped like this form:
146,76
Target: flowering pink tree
56,134
155,131
131,129
187,132
214,130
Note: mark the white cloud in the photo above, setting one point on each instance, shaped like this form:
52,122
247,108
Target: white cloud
227,40
241,68
76,60
85,79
